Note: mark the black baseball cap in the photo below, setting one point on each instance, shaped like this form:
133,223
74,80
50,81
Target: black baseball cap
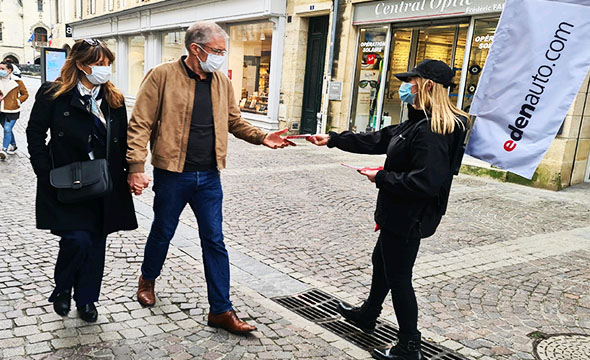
435,70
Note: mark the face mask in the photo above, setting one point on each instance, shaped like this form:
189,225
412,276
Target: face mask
405,93
213,62
100,74
3,73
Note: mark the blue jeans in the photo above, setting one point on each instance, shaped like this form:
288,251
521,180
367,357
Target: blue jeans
8,135
202,191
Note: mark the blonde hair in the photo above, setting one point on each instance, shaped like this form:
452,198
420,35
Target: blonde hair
444,114
83,53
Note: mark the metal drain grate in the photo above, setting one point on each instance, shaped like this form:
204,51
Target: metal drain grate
319,307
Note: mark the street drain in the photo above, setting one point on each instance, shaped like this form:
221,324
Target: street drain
320,308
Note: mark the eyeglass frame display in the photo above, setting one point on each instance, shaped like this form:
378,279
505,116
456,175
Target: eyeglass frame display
462,86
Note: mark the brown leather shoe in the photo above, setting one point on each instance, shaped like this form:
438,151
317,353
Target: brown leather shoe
230,322
145,292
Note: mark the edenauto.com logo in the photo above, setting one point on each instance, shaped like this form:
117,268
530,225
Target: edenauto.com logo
533,97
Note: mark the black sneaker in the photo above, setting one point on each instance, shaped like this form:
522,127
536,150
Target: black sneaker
407,348
363,317
11,149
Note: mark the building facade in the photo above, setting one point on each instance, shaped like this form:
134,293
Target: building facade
25,26
145,34
332,60
375,39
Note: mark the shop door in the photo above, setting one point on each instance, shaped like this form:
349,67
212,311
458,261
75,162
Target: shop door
314,69
409,46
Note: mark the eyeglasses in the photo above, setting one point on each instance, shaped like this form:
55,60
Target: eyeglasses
213,50
363,83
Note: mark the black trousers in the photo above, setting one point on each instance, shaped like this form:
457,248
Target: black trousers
80,265
393,260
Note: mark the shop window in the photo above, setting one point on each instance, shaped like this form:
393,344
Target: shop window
112,45
172,45
445,43
249,65
371,53
136,63
483,35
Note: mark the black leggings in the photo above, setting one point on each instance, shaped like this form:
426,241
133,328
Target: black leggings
393,260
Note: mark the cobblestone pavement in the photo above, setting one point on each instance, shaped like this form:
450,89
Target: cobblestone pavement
506,261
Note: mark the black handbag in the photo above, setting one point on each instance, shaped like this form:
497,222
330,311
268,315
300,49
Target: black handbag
83,180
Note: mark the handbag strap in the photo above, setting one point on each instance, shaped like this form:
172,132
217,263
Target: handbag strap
108,121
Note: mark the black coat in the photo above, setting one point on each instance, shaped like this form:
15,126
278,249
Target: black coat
70,127
416,177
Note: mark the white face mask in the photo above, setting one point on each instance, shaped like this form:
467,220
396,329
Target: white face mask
100,74
213,62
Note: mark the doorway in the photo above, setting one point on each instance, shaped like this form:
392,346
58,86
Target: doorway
409,46
314,70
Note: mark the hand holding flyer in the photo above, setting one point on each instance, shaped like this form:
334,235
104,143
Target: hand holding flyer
359,168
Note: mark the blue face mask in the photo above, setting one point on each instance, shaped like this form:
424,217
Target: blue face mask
3,73
405,93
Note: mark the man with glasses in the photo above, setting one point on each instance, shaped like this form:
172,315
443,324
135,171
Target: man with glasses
185,109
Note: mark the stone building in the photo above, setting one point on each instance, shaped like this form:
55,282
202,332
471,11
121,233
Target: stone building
325,64
25,26
348,84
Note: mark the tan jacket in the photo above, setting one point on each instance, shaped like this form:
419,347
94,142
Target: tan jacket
162,115
14,92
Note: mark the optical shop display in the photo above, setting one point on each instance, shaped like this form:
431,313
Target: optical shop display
249,65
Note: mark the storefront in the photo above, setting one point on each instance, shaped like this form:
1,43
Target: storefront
145,36
394,36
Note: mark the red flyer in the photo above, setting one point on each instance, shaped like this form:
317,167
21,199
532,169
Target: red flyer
300,136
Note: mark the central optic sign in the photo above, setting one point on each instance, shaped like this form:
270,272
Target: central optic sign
383,11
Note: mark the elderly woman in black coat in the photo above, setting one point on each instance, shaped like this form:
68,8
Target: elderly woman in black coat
76,110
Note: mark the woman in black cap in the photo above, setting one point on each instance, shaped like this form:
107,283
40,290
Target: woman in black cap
423,153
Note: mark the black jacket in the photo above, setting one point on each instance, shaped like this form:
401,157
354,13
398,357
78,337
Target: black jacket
416,177
70,127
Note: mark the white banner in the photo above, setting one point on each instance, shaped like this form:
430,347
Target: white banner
536,66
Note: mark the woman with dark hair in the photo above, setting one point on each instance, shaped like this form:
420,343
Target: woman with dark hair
12,94
86,116
423,153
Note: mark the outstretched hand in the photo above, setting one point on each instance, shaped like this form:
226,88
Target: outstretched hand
274,140
319,139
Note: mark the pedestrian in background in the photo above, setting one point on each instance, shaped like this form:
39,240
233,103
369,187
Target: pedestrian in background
185,110
13,93
76,109
423,153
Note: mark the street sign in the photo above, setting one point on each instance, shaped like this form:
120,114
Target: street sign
52,60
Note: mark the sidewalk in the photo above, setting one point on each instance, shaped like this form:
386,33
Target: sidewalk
507,261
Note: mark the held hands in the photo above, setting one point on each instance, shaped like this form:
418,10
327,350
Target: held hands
319,139
275,141
137,182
